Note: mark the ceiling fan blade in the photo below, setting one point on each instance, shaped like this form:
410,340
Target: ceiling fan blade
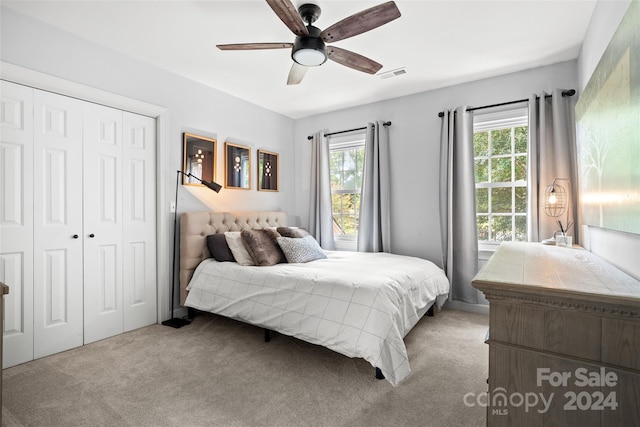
289,15
361,22
296,74
353,60
254,46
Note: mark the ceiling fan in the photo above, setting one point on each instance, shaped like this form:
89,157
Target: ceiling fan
309,48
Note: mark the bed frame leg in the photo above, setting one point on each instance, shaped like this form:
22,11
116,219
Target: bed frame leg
379,375
191,313
267,335
430,312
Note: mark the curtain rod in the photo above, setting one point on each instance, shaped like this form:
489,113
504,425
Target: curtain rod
348,130
569,92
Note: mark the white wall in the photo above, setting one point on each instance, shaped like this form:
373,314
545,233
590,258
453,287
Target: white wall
196,108
621,249
190,107
606,17
415,157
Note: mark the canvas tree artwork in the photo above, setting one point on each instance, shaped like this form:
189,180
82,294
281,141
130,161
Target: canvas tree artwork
608,133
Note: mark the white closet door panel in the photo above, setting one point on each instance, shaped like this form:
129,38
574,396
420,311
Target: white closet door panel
11,271
104,252
16,220
16,270
58,248
139,196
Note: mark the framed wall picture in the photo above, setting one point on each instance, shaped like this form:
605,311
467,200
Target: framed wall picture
268,171
608,133
199,158
237,165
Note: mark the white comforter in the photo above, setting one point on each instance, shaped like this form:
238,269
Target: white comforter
358,304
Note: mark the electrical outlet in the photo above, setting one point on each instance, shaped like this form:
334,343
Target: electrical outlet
172,207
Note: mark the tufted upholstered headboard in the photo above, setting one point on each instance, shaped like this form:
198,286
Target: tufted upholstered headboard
196,226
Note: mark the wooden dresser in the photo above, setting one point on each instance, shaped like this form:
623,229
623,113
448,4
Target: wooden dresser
564,338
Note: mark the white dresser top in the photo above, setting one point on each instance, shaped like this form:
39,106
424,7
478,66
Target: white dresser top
533,268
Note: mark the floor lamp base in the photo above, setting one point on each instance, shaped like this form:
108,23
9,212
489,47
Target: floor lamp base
176,322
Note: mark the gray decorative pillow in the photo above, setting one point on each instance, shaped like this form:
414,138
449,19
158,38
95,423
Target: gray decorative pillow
301,249
293,232
219,248
263,247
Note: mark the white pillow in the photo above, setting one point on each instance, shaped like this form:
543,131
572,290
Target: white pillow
240,253
300,249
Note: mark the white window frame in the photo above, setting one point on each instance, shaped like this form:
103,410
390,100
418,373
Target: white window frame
512,118
346,142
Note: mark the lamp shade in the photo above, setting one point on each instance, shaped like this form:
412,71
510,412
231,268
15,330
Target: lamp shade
212,185
555,200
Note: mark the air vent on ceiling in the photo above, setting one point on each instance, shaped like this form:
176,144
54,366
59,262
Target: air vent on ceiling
393,73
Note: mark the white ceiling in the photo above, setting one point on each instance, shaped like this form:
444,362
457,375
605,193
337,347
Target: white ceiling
440,43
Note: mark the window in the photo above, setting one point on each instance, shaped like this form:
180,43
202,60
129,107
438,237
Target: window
500,157
346,165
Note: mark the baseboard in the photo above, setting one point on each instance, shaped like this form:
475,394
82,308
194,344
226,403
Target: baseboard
465,306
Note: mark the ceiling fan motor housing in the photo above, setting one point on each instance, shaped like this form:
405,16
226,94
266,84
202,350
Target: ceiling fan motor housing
309,12
309,50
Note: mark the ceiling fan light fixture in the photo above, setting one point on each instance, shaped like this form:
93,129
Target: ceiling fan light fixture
309,57
310,50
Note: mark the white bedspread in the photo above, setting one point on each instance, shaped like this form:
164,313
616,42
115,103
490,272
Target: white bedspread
358,304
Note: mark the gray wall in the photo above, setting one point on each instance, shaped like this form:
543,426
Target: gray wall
190,106
621,249
415,157
414,133
604,22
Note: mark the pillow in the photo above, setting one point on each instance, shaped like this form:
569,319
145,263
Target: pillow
263,247
301,249
293,232
217,244
234,240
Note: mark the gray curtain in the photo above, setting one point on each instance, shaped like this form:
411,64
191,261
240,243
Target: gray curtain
552,154
320,218
458,204
374,231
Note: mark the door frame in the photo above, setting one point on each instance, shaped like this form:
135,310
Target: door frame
38,80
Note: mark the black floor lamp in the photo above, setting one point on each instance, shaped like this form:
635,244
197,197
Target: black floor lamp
176,322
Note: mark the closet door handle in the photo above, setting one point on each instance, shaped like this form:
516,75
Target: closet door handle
75,236
92,235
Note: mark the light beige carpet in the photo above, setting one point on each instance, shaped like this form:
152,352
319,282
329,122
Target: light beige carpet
220,372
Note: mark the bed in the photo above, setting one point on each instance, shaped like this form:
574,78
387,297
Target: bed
357,304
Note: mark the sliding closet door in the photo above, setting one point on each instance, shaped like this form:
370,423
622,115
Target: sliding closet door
58,234
139,200
16,220
103,251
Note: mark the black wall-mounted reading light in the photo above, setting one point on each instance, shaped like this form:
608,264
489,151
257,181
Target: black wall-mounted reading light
176,322
212,185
